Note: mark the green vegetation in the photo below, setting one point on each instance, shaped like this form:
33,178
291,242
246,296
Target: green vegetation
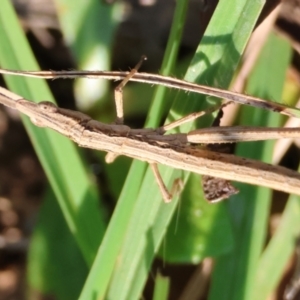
103,259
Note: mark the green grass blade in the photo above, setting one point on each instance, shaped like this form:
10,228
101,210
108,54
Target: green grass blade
276,256
159,104
161,289
101,272
151,217
52,252
235,274
202,229
151,227
77,198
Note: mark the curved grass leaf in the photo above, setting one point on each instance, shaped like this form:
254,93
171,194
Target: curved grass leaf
235,274
65,170
147,217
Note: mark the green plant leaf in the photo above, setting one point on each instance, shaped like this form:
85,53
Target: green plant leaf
198,229
235,273
161,289
147,217
65,170
55,263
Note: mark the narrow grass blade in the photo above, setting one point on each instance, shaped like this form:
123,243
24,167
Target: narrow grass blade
202,229
65,170
103,267
273,261
154,227
161,289
150,216
52,252
235,274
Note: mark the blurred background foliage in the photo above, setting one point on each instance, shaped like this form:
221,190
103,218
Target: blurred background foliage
52,225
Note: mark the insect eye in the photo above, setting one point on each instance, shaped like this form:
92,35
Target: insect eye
47,106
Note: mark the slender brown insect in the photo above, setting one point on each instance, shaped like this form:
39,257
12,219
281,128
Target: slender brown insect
181,150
